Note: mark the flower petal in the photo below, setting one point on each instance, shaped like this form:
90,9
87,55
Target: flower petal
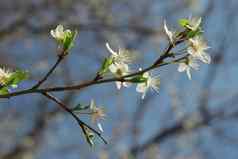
188,73
52,32
92,105
143,95
110,49
126,84
60,28
113,68
100,127
141,87
119,84
168,33
194,65
182,67
206,58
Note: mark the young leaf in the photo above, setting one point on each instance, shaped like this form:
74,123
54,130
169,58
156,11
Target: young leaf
183,22
16,77
138,79
106,63
68,42
192,34
80,107
4,91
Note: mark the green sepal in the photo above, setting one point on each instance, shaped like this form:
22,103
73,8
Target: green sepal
16,78
90,138
80,107
4,90
89,135
183,22
105,66
69,39
138,79
192,34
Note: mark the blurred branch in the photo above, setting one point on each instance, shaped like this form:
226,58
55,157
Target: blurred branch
210,77
95,27
35,135
51,70
22,22
138,116
99,27
179,128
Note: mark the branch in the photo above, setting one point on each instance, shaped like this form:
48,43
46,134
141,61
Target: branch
45,92
176,129
179,127
60,58
80,122
87,83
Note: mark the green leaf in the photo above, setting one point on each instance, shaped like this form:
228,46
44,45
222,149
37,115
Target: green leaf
105,66
138,79
16,77
192,34
69,39
183,22
80,107
4,91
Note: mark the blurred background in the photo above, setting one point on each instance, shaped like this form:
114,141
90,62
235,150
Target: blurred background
194,119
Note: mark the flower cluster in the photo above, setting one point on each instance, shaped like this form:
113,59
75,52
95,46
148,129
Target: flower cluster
59,33
65,38
10,79
4,76
98,113
120,64
150,82
120,67
196,46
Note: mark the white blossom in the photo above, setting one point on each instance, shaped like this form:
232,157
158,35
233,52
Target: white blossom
119,70
99,125
59,33
4,75
189,64
119,66
122,56
197,48
151,82
97,114
169,33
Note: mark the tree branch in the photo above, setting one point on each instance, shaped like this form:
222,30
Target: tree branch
60,58
179,126
87,83
80,122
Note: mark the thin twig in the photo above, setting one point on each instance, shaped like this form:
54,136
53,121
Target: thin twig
80,122
167,51
60,58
